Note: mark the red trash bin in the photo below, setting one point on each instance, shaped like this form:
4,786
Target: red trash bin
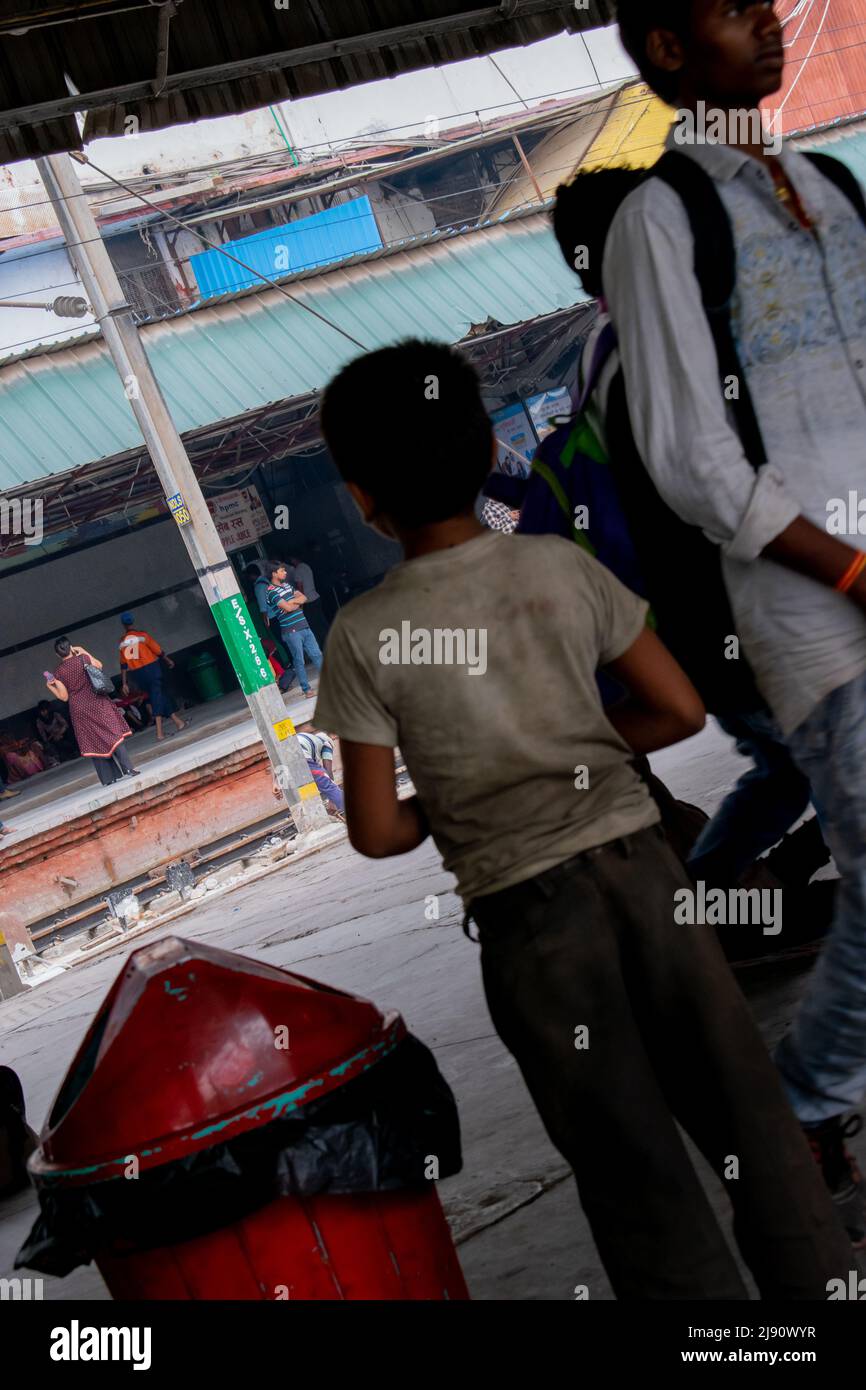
195,1067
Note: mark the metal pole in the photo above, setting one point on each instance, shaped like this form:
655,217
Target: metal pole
528,167
178,480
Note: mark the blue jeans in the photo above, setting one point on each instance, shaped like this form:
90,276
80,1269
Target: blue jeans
328,790
301,644
764,804
823,1057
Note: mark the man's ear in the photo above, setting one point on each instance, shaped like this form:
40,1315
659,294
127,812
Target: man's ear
665,50
367,507
363,501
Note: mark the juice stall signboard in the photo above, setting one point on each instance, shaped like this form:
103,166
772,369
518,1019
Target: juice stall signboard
239,517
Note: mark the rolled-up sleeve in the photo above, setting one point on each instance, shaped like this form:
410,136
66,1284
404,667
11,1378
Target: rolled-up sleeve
681,426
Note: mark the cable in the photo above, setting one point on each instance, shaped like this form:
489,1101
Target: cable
176,310
287,230
350,142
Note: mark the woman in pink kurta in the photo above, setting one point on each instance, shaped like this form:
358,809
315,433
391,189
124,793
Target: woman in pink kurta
99,727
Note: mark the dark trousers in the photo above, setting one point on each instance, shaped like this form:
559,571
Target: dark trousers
593,944
112,769
768,799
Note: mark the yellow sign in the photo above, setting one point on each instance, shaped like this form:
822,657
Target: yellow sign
284,729
309,790
179,510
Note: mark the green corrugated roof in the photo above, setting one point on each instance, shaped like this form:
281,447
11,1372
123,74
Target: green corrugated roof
851,149
62,409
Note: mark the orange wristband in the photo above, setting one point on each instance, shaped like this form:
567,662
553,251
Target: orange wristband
852,574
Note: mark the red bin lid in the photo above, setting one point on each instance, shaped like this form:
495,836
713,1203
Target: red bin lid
194,1046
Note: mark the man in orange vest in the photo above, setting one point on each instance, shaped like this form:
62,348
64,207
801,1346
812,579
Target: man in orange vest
141,653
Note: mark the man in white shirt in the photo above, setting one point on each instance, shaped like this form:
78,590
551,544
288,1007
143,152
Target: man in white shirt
797,589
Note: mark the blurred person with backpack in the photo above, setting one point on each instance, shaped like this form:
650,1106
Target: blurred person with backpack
589,483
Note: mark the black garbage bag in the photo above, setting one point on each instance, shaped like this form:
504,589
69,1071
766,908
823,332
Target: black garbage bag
17,1140
394,1126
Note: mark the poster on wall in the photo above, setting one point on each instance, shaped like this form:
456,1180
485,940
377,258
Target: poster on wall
239,516
516,441
256,506
549,408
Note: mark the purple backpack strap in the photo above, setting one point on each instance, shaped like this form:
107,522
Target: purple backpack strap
605,344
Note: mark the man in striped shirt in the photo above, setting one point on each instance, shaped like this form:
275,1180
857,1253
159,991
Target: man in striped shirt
318,750
285,606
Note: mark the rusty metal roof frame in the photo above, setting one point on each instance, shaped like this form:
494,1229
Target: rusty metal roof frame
167,62
227,452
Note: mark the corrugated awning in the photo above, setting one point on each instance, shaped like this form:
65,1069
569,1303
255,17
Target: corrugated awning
66,408
164,62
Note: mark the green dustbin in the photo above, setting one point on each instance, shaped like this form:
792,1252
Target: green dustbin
206,676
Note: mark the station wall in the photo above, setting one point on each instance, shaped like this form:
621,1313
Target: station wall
83,594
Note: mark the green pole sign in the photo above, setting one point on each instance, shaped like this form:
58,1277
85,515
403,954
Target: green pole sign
252,667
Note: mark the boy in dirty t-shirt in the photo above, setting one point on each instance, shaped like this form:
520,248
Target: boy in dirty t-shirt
478,656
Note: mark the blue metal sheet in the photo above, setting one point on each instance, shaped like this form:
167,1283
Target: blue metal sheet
347,230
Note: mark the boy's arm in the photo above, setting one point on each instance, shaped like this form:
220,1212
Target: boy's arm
379,824
677,411
292,605
663,705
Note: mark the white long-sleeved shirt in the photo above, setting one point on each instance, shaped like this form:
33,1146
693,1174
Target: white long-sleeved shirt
799,317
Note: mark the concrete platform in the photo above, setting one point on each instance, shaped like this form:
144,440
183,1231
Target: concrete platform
360,925
73,838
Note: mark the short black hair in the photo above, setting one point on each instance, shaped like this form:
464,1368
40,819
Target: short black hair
637,19
582,215
63,646
270,567
43,704
433,444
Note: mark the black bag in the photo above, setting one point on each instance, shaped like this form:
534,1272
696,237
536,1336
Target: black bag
99,681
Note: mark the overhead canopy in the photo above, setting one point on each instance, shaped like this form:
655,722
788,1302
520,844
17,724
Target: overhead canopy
165,62
257,353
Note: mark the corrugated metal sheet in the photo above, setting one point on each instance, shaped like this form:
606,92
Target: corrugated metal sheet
847,145
67,408
221,55
325,237
825,69
635,132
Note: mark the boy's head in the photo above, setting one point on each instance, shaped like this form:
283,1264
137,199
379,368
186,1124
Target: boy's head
433,444
275,571
726,52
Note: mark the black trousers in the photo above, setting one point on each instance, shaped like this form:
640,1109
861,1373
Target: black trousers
592,944
111,769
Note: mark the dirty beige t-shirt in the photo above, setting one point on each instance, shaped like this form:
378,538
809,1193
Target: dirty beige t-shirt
479,662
